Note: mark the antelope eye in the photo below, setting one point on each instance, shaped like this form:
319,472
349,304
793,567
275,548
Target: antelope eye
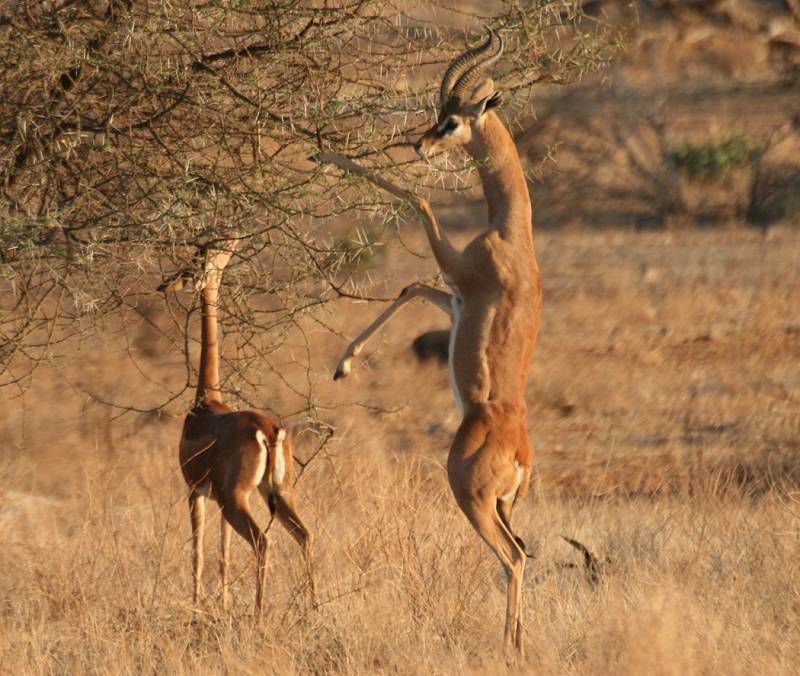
450,126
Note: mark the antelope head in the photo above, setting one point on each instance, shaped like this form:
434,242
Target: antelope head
464,98
206,269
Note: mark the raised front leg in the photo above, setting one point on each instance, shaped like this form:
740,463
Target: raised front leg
447,256
440,299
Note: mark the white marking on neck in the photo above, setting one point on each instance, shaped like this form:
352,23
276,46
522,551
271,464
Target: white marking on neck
456,304
279,470
262,457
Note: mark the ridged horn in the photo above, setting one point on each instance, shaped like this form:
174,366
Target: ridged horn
468,78
460,65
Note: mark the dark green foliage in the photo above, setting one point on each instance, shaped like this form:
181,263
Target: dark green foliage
716,159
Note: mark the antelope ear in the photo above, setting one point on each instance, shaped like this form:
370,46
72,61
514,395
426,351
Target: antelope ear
484,97
481,91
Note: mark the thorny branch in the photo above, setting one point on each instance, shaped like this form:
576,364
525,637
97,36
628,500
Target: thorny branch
134,132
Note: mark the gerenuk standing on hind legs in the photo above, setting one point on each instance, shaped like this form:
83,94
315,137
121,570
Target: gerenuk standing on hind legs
494,307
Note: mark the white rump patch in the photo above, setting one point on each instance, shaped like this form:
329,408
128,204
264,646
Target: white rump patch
262,457
280,461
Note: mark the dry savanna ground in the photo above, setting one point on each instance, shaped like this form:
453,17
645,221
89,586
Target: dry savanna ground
664,410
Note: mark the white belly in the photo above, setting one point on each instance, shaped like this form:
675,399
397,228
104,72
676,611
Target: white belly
456,306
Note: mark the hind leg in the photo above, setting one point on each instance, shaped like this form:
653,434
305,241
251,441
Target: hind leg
504,508
283,506
486,520
236,512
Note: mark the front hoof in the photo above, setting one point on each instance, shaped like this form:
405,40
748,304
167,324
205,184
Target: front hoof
343,370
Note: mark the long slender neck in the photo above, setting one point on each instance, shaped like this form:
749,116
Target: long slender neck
208,382
504,185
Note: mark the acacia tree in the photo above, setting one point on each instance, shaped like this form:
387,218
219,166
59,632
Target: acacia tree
137,130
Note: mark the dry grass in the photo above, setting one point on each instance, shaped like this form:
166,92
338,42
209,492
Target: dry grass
664,411
101,583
